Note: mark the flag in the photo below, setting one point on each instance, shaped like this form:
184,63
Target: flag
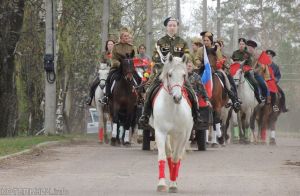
271,83
207,75
264,58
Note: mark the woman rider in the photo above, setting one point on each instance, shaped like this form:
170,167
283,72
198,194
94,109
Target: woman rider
121,49
216,60
105,58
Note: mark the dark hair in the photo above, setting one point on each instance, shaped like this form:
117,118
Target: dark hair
142,45
107,43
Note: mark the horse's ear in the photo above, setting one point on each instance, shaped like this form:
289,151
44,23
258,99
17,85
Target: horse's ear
170,57
184,59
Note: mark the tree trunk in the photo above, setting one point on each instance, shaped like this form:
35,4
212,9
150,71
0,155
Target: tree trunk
12,19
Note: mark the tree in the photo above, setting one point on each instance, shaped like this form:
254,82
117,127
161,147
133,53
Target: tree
11,13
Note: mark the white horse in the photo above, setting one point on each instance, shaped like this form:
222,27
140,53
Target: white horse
172,120
249,103
99,93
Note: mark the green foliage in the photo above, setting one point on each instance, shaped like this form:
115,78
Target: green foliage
29,69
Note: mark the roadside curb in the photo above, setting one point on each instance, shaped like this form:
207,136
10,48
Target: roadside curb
26,151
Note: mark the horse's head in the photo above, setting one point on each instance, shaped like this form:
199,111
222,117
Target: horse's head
102,74
127,66
238,76
173,75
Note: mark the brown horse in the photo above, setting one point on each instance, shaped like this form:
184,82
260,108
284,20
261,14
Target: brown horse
266,118
124,101
218,100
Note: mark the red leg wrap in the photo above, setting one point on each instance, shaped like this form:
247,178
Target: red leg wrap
161,167
100,134
264,134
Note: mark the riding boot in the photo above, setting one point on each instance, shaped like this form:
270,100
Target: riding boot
107,93
194,102
144,119
253,82
235,101
92,91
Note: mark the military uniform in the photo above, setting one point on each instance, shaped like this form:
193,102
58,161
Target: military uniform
256,76
177,47
120,51
239,55
174,45
195,81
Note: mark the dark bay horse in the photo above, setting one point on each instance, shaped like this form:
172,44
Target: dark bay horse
218,100
124,101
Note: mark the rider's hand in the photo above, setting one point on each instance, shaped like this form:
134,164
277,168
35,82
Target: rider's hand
208,103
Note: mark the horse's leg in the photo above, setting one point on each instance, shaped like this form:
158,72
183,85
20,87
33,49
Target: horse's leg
169,145
217,125
160,139
115,124
127,121
178,148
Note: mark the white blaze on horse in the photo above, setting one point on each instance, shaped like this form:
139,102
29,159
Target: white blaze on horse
172,120
99,93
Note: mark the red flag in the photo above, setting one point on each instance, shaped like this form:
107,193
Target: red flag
271,83
233,68
264,58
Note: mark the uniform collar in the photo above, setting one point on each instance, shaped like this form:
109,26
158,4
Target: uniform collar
171,37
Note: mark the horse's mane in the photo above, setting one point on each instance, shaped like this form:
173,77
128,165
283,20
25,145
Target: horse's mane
173,63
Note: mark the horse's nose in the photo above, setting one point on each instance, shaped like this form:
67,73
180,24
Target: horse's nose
177,99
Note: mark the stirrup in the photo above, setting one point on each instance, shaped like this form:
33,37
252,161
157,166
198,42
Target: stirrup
104,100
143,121
275,108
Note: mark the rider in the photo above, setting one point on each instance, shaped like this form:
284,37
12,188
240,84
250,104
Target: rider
215,58
277,75
239,54
196,44
254,76
104,58
170,43
120,50
195,81
226,66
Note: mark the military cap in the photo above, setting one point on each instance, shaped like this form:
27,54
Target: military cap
242,39
207,34
170,19
251,43
271,52
196,40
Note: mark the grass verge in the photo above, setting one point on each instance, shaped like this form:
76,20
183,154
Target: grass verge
17,144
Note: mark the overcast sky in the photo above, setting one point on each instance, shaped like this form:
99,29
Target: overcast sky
187,7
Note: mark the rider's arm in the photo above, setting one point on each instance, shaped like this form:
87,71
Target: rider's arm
115,63
199,57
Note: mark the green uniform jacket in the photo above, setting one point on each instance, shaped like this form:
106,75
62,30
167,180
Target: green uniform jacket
239,55
175,45
120,50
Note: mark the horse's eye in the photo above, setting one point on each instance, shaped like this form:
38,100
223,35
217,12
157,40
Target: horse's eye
170,75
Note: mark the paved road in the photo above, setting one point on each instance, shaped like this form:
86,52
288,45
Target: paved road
88,169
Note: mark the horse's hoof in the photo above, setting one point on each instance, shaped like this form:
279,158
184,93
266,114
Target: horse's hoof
127,144
215,145
162,188
272,142
113,141
173,187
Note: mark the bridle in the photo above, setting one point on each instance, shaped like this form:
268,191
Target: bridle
169,87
